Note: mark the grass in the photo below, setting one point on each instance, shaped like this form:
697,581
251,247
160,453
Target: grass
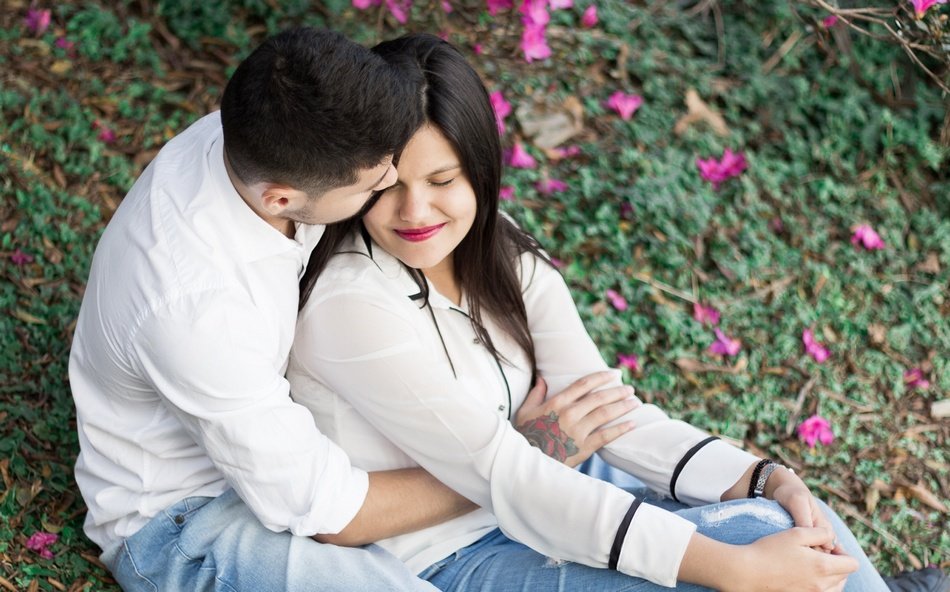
836,134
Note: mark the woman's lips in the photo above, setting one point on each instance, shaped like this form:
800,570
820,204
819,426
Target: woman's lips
419,234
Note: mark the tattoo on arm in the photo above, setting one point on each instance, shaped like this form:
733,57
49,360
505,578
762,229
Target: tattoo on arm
545,432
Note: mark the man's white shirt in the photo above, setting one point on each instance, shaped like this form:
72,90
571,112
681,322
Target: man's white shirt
178,359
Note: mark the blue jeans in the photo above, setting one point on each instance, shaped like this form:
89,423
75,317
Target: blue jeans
495,563
202,544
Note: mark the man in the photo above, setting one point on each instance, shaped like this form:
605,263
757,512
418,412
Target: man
198,470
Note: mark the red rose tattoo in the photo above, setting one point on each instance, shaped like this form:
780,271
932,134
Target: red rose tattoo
545,432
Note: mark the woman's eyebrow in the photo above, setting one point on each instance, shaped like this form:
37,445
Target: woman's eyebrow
445,169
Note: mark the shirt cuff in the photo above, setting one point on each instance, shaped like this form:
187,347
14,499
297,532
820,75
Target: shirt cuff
712,470
331,515
655,544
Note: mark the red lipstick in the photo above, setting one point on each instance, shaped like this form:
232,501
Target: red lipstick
419,234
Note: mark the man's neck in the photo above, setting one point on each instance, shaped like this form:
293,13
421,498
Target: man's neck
282,225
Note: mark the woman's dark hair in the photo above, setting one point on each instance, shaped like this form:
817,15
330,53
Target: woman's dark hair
452,98
309,108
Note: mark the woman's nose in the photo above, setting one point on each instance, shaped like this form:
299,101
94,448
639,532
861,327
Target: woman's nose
415,207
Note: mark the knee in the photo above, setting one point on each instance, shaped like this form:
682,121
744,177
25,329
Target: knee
743,521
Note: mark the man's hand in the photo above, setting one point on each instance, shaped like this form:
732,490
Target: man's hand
569,426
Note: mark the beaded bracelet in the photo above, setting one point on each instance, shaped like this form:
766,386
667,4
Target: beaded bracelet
755,476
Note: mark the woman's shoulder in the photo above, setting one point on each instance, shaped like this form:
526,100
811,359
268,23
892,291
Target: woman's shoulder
361,269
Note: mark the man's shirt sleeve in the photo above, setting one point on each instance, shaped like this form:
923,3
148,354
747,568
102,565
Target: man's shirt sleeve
212,358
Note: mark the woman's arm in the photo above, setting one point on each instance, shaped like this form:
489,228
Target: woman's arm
407,500
671,456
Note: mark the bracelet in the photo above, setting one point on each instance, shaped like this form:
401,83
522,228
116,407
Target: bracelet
755,490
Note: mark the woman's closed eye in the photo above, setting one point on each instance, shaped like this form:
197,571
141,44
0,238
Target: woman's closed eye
442,183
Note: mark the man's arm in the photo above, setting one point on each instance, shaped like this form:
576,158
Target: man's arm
399,501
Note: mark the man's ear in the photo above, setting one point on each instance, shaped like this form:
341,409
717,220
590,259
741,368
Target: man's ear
276,199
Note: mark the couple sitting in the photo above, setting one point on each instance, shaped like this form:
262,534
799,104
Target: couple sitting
228,443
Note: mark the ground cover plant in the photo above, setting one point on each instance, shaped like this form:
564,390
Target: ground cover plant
750,201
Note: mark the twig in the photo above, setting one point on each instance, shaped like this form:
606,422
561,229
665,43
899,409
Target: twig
664,288
797,409
782,51
847,509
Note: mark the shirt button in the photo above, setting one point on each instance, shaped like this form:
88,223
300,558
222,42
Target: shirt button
501,407
476,341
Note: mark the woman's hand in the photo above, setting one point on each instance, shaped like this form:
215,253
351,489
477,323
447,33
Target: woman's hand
570,426
791,493
786,561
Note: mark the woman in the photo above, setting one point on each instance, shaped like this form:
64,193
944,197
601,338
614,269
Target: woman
424,323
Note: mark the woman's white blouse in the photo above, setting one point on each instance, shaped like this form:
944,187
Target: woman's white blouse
373,366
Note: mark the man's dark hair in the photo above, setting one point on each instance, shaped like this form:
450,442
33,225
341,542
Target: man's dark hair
309,108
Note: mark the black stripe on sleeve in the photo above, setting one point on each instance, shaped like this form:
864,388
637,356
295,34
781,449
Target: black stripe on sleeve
621,535
682,463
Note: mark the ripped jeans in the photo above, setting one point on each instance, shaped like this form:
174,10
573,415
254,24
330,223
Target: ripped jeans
496,563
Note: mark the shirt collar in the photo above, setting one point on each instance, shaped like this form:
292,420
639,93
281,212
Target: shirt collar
254,238
393,269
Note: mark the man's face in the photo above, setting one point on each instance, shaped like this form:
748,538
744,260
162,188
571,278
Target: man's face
344,202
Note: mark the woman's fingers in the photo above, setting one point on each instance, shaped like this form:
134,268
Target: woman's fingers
583,386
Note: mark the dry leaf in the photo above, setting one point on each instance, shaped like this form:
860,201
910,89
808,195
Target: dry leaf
27,317
549,127
926,497
599,309
698,111
877,334
871,497
940,409
930,265
60,67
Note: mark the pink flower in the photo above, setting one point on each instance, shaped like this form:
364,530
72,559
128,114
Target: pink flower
559,4
507,193
502,109
39,541
535,13
37,20
495,5
816,429
477,48
725,345
716,171
534,44
399,9
915,379
631,362
105,135
364,4
520,159
19,258
624,104
829,21
446,6
776,225
922,6
557,262
817,351
589,19
549,186
618,301
706,315
567,151
865,236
